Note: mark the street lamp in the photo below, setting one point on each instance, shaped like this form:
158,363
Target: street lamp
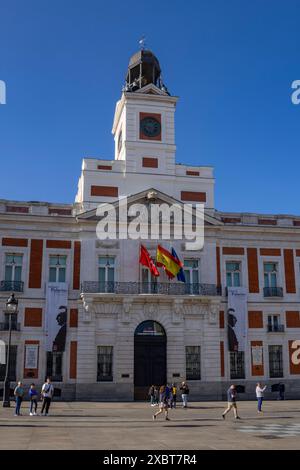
11,309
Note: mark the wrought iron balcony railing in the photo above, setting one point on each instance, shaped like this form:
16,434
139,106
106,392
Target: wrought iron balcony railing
11,286
275,328
4,326
273,292
165,288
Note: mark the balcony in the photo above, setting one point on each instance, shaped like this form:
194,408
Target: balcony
275,328
273,292
11,286
162,288
4,326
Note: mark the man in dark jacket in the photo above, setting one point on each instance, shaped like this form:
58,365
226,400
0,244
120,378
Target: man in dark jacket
231,402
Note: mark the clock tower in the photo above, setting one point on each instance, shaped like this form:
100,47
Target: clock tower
143,125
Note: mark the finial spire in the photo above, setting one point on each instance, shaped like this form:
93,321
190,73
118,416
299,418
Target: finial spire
142,43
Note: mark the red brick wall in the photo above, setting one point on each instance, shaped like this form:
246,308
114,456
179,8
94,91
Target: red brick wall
73,318
222,361
106,191
59,244
255,319
33,317
76,265
73,359
14,242
149,162
253,270
292,319
231,250
36,263
289,271
193,196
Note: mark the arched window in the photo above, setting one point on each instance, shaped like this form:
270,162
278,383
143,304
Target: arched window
149,328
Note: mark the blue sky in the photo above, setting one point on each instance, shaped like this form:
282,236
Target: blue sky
231,62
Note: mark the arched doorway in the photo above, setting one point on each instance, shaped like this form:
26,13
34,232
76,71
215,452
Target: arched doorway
150,357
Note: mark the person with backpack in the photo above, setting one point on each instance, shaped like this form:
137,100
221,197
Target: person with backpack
184,393
33,397
231,402
19,394
47,395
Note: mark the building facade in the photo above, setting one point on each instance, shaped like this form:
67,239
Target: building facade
123,329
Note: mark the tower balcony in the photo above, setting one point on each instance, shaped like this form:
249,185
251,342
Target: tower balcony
153,288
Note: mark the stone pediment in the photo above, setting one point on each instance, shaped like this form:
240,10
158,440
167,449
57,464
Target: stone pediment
147,197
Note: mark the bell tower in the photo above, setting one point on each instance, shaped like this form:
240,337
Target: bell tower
143,128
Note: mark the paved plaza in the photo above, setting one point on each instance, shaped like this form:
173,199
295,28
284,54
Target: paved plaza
81,425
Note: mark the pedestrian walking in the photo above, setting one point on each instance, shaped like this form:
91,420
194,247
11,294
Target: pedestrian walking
33,397
281,390
19,394
231,402
184,393
173,396
163,404
156,395
168,395
47,394
151,395
260,395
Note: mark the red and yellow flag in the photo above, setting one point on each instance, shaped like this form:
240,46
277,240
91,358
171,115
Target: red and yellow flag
165,258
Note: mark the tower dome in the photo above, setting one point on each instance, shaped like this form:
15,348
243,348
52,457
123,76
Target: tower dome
144,69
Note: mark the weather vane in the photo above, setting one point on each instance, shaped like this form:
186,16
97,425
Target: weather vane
142,42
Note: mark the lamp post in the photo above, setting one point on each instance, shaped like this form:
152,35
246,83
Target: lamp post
11,309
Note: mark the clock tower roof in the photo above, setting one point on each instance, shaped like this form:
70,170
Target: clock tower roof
143,69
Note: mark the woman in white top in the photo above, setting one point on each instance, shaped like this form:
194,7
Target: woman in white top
259,395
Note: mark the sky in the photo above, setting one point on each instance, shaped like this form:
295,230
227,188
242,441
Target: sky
231,62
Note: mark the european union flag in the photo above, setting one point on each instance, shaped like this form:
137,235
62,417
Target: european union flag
180,275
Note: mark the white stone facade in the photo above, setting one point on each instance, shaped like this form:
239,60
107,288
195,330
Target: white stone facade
97,318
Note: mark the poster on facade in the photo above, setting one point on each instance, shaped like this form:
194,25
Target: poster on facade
56,316
236,318
31,356
257,355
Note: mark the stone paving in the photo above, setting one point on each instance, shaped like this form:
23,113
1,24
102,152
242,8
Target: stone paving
115,426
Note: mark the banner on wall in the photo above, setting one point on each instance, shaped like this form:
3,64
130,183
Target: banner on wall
237,318
257,355
31,356
56,316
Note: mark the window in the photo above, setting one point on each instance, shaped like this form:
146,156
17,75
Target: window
193,368
12,365
233,274
105,364
149,282
275,361
191,271
237,365
270,274
57,268
106,273
54,365
13,267
274,323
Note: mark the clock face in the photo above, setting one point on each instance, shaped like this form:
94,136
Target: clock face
150,127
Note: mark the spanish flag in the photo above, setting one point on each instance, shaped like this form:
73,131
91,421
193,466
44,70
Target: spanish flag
168,261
